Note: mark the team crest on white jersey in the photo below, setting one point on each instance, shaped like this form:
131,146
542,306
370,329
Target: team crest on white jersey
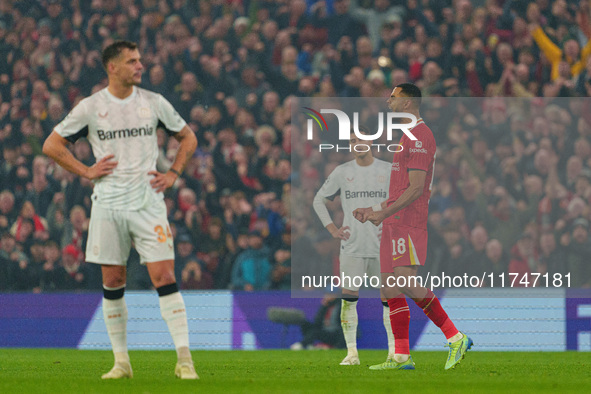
144,112
381,179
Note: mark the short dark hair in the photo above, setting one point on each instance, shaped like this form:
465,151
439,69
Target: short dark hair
361,128
113,50
411,90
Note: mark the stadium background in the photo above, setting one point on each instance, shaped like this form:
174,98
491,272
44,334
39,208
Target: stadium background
230,67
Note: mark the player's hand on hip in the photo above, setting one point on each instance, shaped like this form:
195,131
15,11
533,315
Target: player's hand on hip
161,181
362,214
342,233
104,166
376,218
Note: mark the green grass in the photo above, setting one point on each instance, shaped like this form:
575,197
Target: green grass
78,371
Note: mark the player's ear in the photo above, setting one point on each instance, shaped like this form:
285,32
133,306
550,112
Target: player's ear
112,65
409,103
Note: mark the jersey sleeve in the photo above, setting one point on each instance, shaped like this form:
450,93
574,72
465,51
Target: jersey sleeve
421,153
75,124
331,186
168,118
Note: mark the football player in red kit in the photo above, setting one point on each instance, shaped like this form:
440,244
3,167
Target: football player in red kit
403,245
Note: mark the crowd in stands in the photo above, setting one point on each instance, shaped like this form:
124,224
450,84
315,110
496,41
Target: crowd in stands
514,197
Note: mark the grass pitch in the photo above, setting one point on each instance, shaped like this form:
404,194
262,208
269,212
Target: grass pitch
279,371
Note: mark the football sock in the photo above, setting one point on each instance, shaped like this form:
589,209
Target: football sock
349,321
172,308
388,327
115,315
400,321
432,307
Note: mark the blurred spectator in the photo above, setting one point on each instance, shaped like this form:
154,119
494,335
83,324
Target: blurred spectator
21,276
474,258
51,275
72,274
550,257
184,253
524,262
8,213
195,278
575,56
213,246
252,269
496,261
577,249
76,229
376,17
29,225
281,274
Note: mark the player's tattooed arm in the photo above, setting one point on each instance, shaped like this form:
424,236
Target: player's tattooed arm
188,144
56,147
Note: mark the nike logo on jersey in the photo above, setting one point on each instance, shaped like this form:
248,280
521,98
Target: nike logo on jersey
396,258
103,115
350,179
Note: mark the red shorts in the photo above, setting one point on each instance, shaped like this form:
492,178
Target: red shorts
402,246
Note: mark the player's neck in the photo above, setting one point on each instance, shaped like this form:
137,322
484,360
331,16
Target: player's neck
120,91
365,161
416,114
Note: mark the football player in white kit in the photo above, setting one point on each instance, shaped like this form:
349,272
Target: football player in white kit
120,123
360,182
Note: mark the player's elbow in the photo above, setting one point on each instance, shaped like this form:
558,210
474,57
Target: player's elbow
194,142
48,147
318,199
191,141
417,191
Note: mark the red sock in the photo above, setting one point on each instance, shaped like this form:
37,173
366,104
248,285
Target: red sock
400,320
434,311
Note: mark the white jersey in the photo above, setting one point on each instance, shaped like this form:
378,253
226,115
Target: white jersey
127,129
359,187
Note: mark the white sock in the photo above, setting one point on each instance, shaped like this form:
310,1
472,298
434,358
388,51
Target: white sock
349,323
115,315
400,358
456,337
174,314
388,327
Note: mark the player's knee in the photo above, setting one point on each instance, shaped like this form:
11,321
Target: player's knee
163,278
412,291
113,282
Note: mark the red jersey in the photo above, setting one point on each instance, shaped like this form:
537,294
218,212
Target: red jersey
419,155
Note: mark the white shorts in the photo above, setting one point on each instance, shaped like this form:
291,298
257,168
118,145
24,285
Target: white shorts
111,232
351,266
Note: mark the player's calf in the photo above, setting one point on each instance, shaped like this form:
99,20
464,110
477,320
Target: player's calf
349,321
